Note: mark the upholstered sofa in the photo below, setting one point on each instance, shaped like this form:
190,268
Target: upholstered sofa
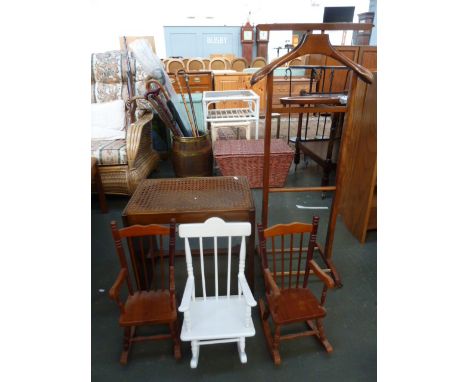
122,163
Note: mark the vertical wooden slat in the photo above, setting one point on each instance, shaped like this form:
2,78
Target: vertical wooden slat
143,260
153,265
299,259
282,261
229,268
161,262
135,267
202,265
216,264
273,252
291,241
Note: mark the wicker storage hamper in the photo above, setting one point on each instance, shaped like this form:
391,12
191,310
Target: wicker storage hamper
245,158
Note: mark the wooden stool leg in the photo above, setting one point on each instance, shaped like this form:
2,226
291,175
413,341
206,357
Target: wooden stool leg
100,191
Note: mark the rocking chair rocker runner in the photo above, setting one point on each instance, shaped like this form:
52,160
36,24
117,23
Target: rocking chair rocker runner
289,300
153,301
216,319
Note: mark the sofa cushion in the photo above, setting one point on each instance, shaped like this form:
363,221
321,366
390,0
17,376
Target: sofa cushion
109,152
108,80
108,120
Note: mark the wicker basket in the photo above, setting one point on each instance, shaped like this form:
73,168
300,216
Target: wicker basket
245,158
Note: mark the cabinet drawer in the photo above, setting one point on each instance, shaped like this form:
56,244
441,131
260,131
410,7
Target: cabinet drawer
200,80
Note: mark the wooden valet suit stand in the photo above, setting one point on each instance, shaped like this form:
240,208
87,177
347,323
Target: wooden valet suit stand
311,44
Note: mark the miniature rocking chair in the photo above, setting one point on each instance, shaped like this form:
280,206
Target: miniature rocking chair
151,300
290,301
216,319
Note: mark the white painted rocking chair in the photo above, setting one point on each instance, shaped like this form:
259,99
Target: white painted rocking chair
216,319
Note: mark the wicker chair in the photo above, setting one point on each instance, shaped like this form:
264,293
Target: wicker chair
174,65
195,64
206,61
122,163
258,62
219,64
239,64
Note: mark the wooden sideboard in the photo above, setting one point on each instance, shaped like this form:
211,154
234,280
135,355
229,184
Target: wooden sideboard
358,204
198,82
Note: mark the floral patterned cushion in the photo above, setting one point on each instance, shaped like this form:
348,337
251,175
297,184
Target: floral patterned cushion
108,77
109,152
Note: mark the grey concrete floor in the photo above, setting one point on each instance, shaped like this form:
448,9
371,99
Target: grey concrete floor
351,322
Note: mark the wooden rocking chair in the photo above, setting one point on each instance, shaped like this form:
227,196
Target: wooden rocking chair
291,301
216,319
153,301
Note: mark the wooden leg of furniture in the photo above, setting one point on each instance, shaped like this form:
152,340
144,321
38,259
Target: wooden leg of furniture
129,332
100,191
264,313
277,116
176,339
297,152
321,336
276,344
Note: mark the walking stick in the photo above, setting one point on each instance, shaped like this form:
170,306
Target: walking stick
186,77
194,131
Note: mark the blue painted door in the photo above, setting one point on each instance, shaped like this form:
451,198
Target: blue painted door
202,41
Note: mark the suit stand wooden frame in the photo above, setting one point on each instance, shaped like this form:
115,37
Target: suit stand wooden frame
311,44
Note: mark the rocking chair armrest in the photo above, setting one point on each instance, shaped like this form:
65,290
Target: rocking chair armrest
185,304
249,299
271,283
327,280
115,289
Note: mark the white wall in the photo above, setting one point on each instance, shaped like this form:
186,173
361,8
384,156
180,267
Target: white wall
113,18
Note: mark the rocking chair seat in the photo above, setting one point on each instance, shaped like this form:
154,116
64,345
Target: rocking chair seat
226,318
300,305
147,308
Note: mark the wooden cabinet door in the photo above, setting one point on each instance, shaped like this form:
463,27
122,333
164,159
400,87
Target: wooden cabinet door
368,57
231,82
341,78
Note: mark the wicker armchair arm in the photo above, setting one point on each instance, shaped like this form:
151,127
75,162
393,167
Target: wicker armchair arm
135,131
114,292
